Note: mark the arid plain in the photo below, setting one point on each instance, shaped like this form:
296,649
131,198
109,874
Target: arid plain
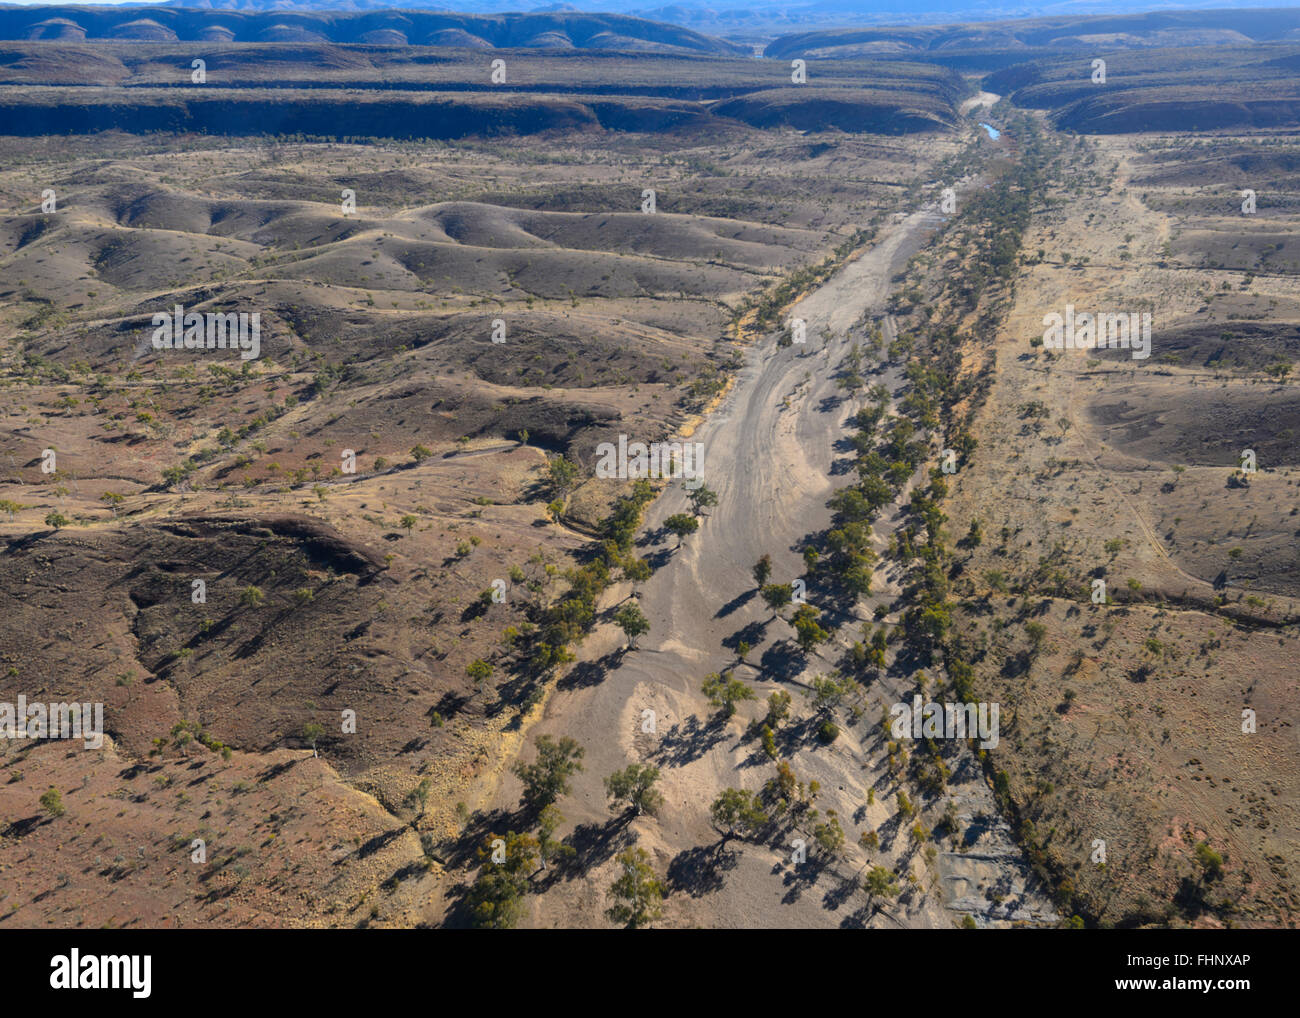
410,574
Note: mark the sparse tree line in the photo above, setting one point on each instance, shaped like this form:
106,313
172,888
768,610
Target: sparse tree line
767,308
994,224
940,397
783,808
888,451
511,864
546,639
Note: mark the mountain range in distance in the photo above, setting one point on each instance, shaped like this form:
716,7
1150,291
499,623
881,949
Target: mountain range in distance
761,17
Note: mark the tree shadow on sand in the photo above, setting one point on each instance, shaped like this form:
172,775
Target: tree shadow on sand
689,740
751,633
702,870
739,601
592,673
782,661
842,889
799,879
592,845
860,918
462,850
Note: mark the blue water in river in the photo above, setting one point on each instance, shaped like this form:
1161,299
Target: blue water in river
994,133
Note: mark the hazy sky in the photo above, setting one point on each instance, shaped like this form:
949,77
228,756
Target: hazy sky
1055,6
870,9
